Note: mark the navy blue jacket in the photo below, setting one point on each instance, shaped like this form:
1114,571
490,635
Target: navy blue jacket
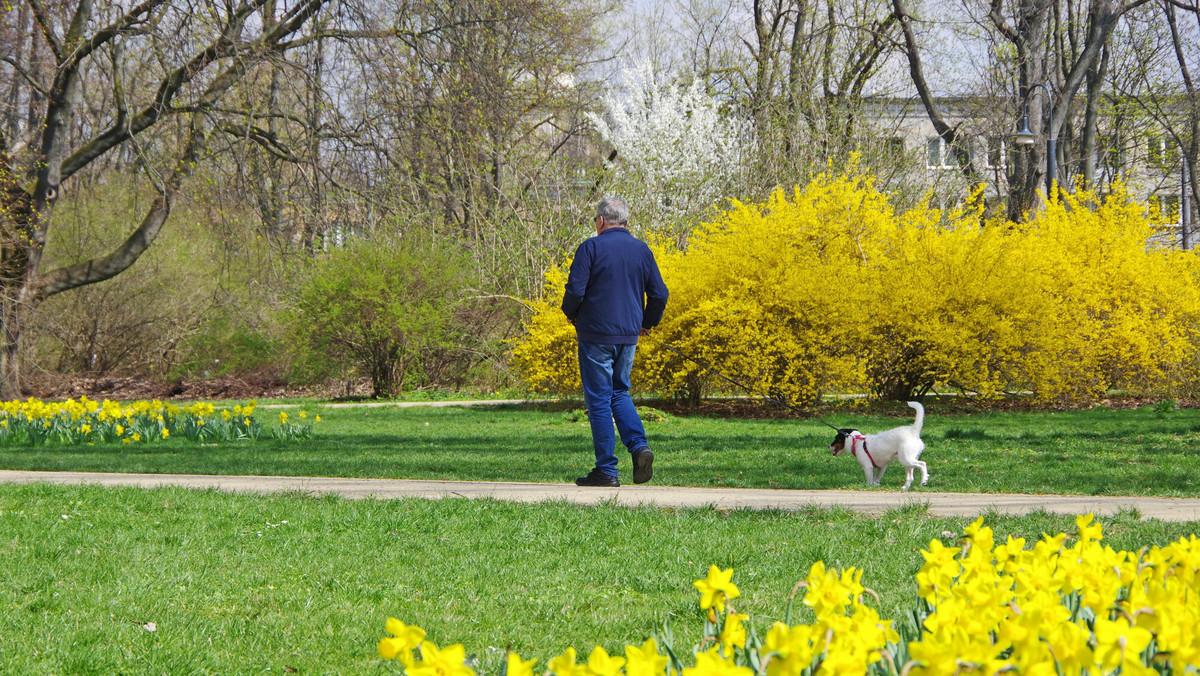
614,289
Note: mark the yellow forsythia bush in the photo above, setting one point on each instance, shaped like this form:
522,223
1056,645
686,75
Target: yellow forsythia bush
545,357
982,608
828,288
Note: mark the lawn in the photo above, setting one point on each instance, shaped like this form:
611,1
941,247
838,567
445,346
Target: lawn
104,581
1100,451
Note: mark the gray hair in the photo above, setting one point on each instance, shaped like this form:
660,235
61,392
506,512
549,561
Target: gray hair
613,210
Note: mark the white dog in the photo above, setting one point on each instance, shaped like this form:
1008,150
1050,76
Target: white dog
876,451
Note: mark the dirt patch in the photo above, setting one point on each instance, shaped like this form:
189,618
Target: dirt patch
241,387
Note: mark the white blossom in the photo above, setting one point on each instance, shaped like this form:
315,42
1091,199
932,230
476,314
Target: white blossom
677,154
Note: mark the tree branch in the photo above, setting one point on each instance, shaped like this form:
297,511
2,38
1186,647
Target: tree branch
916,70
260,136
25,75
127,253
39,13
1099,29
223,47
1001,23
131,18
1177,43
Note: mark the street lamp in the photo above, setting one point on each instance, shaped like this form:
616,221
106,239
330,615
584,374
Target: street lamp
1028,138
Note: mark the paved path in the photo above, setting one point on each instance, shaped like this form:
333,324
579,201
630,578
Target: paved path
867,501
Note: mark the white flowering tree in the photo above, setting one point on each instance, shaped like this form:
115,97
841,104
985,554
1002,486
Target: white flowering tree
677,153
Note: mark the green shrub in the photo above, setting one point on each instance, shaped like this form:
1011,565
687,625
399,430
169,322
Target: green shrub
377,308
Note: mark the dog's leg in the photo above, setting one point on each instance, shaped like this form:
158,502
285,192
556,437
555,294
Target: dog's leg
879,475
869,471
908,476
924,472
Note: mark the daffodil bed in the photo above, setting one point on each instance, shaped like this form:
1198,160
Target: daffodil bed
982,608
33,423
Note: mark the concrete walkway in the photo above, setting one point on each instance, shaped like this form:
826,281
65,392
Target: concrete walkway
866,501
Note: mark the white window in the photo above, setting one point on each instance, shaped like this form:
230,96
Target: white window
1161,152
997,153
1164,209
937,154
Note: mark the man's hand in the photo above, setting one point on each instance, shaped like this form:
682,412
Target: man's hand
644,332
572,322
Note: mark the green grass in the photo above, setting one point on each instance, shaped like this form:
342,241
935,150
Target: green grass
1099,451
257,584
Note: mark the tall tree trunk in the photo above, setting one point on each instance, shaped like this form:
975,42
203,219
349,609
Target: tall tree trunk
798,95
1087,147
12,123
1028,38
1191,151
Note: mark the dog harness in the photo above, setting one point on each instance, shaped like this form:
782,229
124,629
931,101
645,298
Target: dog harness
853,450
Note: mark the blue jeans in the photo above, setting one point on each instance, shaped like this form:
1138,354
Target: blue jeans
604,370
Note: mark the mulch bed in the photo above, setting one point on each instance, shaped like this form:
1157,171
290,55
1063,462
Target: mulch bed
945,405
242,387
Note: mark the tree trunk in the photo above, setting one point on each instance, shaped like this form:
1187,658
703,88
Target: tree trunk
1087,148
10,365
1190,152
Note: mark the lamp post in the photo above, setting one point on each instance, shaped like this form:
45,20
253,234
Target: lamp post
1027,138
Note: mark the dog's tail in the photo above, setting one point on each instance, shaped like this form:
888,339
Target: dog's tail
920,416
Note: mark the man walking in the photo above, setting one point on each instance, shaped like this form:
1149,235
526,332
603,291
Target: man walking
614,294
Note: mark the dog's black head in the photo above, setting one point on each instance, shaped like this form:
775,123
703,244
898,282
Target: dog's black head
838,446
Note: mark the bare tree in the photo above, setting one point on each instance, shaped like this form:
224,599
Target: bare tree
1060,44
476,131
163,109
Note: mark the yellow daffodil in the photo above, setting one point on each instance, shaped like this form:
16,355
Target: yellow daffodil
400,644
711,663
515,666
565,665
791,649
449,661
733,633
645,661
1119,645
600,663
829,591
1088,531
716,589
